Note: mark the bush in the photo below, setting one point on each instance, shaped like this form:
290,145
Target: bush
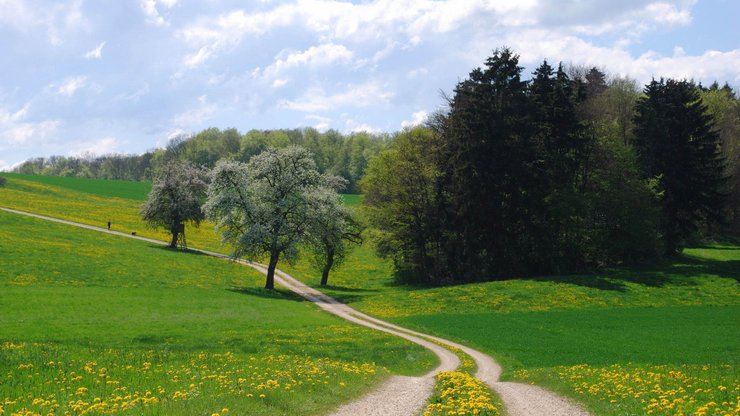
2,181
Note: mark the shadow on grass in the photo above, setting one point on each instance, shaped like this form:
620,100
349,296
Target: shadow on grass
346,289
178,250
278,293
681,270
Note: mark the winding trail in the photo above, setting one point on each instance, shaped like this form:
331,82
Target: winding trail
399,395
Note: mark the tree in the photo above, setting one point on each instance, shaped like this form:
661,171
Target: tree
267,206
333,228
677,144
176,198
488,161
725,110
402,204
2,181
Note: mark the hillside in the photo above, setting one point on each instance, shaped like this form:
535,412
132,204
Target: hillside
670,324
96,323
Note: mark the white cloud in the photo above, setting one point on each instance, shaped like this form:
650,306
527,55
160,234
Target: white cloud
197,58
321,55
536,45
56,18
95,53
14,130
321,123
316,99
417,118
195,116
280,82
98,147
150,9
7,167
70,85
669,14
352,126
339,20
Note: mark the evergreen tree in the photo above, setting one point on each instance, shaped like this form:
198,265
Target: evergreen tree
677,143
560,145
488,165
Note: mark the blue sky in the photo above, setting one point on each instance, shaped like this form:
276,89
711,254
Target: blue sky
126,76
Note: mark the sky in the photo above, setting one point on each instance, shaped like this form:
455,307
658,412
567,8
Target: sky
126,76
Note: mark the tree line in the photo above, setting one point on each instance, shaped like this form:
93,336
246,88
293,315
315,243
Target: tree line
561,172
344,155
558,173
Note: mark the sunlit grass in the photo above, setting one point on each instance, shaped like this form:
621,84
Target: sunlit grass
93,323
677,315
634,389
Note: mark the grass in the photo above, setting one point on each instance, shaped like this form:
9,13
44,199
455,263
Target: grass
667,335
110,188
659,339
96,323
672,325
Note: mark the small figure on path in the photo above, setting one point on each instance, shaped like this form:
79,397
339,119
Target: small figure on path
108,225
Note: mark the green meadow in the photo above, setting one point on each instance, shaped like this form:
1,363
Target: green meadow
94,323
657,339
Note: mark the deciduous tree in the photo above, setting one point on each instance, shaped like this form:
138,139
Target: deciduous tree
266,207
332,230
176,198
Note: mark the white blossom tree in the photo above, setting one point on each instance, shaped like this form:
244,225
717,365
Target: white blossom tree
267,207
333,229
176,198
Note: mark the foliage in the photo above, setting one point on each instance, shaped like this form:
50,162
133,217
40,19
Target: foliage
176,197
620,208
268,206
334,153
333,227
517,178
400,202
724,107
678,146
3,181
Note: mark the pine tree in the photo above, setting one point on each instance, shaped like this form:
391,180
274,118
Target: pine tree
677,143
488,164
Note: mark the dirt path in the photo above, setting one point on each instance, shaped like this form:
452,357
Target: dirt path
399,396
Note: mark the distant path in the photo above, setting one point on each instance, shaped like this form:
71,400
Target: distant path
399,396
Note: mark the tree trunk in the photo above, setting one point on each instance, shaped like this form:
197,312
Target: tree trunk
270,282
173,243
327,267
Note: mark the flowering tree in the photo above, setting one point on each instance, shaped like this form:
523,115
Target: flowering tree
176,197
268,206
333,229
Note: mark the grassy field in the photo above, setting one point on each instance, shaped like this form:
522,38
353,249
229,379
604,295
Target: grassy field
110,188
660,339
94,323
663,339
89,202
